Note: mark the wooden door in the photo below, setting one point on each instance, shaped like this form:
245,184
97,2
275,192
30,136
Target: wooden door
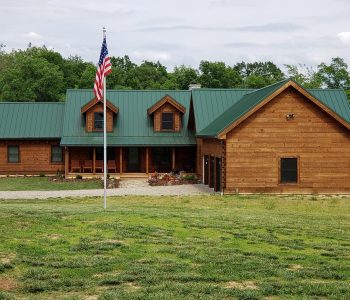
133,160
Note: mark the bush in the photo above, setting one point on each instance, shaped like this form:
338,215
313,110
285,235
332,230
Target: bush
189,177
78,177
41,175
59,174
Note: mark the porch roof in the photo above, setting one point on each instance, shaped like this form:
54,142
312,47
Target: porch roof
129,141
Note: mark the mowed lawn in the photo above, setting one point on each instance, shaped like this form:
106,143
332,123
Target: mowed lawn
46,184
208,247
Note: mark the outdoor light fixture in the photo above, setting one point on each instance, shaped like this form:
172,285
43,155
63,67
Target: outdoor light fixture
290,116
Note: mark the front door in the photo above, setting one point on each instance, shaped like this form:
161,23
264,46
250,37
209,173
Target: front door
133,160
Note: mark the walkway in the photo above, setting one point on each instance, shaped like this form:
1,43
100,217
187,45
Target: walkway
128,189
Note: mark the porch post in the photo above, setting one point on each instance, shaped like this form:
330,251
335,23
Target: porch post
116,159
147,158
66,161
93,160
121,160
173,159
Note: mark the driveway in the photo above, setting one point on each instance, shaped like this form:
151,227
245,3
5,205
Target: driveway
124,190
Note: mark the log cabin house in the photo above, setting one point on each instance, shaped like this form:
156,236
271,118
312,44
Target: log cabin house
278,139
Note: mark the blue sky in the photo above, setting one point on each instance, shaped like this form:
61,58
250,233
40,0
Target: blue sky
183,32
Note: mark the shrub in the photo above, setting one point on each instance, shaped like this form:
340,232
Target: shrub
189,177
79,177
41,175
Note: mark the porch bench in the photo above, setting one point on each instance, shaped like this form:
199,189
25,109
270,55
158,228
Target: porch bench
111,165
99,165
87,165
75,165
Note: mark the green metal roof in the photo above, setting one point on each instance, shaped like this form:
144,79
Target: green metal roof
208,104
334,99
132,125
214,110
28,120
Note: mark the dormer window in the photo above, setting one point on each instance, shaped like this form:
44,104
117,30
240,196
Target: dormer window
93,114
167,121
98,121
167,114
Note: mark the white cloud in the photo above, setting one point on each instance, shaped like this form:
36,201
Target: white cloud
344,36
151,55
182,31
33,35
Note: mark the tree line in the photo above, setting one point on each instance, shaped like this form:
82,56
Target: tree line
43,75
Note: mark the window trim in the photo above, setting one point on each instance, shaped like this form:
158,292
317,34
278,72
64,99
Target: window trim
94,128
173,122
279,170
8,154
62,155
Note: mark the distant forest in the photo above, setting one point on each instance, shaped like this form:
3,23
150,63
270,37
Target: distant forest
43,75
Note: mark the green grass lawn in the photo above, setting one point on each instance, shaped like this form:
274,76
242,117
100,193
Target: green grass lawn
46,184
208,247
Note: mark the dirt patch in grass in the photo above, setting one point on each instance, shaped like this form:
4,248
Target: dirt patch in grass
244,285
132,286
7,284
295,267
54,236
7,258
114,242
92,297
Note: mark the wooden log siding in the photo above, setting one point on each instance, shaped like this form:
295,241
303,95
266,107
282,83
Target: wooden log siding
158,117
322,145
35,158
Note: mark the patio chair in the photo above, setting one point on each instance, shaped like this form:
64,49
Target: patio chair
99,165
111,165
75,165
87,165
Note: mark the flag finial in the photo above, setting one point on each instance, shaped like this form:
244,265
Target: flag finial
104,31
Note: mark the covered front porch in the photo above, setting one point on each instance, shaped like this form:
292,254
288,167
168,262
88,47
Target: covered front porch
128,161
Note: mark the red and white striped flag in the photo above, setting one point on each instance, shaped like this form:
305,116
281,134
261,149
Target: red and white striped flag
103,69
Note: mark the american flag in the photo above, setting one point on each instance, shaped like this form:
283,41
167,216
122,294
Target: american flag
103,69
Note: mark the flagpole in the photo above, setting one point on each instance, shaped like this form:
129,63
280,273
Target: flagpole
104,138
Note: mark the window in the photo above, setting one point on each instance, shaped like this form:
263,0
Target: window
289,170
167,121
98,120
13,154
56,154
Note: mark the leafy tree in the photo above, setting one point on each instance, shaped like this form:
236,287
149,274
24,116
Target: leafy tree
87,78
184,76
73,68
335,75
122,66
217,75
258,74
32,79
304,75
148,75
